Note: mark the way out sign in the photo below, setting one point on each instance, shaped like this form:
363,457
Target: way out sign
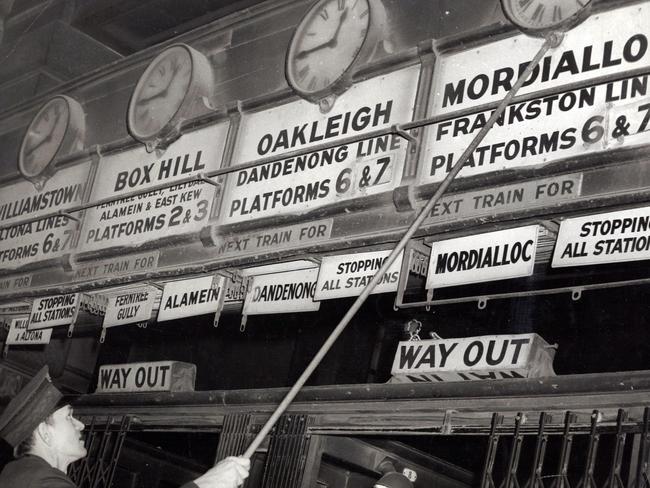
473,358
146,377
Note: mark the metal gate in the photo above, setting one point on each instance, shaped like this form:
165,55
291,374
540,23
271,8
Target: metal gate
572,455
104,444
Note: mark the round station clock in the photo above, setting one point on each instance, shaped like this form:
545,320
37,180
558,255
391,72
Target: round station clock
57,129
539,16
332,37
166,91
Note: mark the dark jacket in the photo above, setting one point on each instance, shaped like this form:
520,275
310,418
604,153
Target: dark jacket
35,472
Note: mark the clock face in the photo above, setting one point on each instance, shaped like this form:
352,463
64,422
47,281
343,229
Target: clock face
160,92
326,44
537,15
44,137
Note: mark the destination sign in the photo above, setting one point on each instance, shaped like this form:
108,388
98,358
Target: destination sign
187,298
180,209
20,335
292,291
300,184
483,257
129,307
604,44
44,239
534,133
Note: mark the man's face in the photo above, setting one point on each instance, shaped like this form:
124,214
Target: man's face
66,436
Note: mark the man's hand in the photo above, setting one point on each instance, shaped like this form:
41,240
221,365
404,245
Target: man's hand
229,473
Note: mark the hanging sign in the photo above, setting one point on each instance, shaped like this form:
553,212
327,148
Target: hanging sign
146,377
609,43
187,298
44,239
611,237
473,358
303,183
484,257
346,275
180,209
273,239
292,291
19,334
130,306
413,275
53,311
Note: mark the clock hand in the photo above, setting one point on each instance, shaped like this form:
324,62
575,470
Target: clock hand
334,38
162,93
45,139
331,43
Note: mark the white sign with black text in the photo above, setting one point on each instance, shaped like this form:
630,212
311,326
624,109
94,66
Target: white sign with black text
292,291
19,334
179,209
611,237
473,358
44,239
346,275
53,311
130,307
306,182
477,258
186,298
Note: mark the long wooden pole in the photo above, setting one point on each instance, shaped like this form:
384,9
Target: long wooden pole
551,41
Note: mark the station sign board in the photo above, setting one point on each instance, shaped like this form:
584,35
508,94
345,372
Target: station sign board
478,258
44,239
187,298
600,117
53,311
130,306
346,275
180,209
611,237
473,358
146,377
20,335
299,184
288,292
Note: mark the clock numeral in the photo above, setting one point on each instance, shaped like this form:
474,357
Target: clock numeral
341,4
324,14
538,14
364,13
354,5
557,13
312,83
524,4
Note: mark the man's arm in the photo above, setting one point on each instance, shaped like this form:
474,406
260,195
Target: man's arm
229,473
